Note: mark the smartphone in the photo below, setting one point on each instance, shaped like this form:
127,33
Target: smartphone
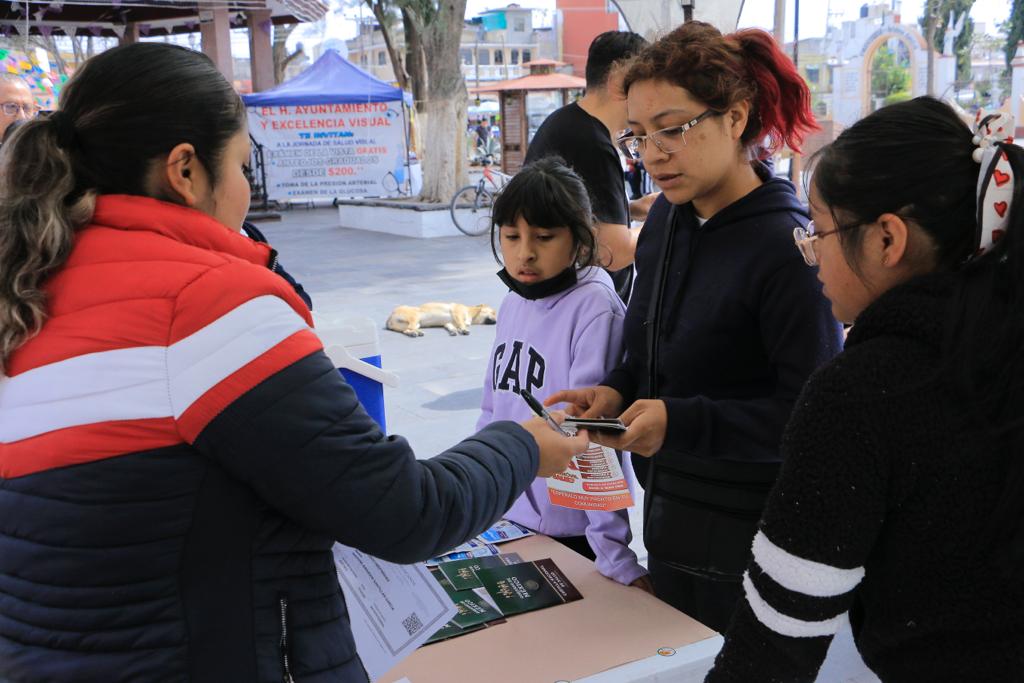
598,424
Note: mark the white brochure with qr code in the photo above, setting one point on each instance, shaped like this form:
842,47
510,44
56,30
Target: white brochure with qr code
393,608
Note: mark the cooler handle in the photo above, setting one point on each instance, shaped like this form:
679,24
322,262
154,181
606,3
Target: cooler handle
341,358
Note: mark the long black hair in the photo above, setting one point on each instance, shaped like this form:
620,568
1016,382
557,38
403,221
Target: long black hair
914,159
123,110
135,103
548,194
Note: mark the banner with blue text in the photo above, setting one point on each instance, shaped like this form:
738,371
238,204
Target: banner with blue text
348,150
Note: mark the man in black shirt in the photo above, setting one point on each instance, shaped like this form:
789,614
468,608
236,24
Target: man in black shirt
581,133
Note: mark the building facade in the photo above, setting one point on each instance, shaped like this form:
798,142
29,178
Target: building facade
842,72
494,46
578,22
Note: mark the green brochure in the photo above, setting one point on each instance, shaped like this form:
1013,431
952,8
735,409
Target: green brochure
475,612
461,574
473,609
445,583
527,586
450,630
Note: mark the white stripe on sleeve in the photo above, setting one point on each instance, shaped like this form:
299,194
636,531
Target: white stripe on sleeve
803,576
200,361
123,384
132,384
786,625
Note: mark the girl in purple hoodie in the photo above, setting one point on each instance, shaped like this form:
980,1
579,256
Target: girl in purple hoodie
559,327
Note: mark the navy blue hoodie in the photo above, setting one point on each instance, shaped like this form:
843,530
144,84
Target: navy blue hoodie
743,323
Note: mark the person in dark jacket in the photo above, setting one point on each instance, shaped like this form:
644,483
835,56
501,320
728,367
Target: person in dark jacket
254,233
900,502
725,323
177,453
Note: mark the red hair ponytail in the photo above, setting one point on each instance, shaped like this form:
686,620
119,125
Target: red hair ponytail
723,70
783,100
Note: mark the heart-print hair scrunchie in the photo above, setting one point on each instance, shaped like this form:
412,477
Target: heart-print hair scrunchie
996,179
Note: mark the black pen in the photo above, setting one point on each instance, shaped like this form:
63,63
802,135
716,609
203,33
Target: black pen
537,408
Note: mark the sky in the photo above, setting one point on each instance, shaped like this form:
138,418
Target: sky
814,14
761,13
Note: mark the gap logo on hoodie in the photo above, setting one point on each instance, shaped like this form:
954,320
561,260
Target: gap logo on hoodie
508,361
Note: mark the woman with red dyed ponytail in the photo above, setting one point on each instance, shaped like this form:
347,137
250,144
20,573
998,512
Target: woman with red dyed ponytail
726,322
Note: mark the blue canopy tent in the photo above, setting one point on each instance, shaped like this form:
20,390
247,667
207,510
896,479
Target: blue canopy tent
332,79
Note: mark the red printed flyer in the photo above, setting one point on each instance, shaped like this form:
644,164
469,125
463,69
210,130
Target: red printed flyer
594,481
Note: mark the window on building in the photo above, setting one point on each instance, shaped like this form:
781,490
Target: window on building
514,58
484,56
467,55
526,56
813,74
519,25
499,57
382,58
362,59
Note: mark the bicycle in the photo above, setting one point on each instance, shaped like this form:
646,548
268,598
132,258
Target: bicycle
471,206
391,184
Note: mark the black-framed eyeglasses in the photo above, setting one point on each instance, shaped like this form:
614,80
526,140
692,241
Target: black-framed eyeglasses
14,108
668,140
805,238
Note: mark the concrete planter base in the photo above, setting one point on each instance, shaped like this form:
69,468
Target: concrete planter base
406,218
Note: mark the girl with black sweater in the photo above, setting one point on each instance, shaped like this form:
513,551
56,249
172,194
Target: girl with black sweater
725,323
900,502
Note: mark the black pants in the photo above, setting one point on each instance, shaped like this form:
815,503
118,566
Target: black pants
580,544
709,600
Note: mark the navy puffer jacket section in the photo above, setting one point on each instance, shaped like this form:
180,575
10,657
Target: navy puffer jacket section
177,458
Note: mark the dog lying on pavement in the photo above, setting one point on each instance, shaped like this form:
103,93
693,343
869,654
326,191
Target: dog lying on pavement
456,318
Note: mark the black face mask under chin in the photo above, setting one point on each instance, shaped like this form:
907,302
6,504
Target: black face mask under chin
544,288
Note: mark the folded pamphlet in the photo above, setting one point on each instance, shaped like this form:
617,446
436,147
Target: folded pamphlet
470,549
452,630
507,586
527,586
473,610
504,531
461,574
476,610
593,481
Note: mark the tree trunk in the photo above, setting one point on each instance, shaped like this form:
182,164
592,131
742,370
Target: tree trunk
931,24
280,50
415,60
77,50
444,164
386,21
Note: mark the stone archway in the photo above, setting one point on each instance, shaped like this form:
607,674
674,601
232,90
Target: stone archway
915,47
855,54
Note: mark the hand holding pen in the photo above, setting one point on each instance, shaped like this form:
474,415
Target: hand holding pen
540,412
557,446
